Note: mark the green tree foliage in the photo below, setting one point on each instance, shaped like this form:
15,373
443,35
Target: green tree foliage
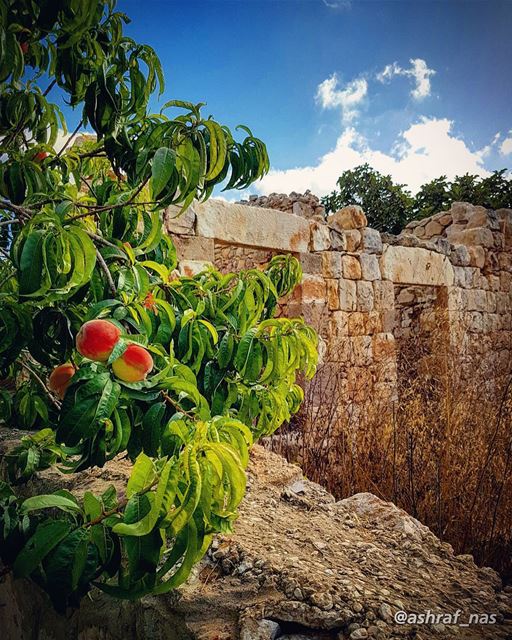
386,204
389,206
81,239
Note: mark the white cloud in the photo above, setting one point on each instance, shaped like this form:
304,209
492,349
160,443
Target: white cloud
347,99
426,150
506,146
338,4
418,71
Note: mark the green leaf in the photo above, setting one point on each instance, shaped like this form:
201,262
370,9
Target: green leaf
142,476
48,502
47,536
161,170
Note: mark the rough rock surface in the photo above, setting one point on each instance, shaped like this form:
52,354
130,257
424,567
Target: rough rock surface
299,566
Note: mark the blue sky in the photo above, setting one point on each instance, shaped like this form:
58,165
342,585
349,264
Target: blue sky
416,88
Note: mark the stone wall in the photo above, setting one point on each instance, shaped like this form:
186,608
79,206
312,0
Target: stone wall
369,294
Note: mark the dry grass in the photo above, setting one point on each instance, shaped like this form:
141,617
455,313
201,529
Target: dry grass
442,450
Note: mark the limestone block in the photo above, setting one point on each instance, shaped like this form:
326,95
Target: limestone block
252,226
407,265
387,320
506,281
351,267
433,228
369,266
476,256
193,267
175,223
461,211
384,294
460,255
353,239
505,221
457,299
362,354
476,236
494,282
383,346
357,323
492,302
371,240
338,324
194,248
311,289
503,303
338,240
320,237
311,262
364,295
444,218
482,217
477,300
350,217
331,264
348,295
333,294
475,322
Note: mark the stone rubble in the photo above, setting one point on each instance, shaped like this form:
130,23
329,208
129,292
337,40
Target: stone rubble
299,565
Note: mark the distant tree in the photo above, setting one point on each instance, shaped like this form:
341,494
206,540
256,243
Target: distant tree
463,189
388,206
495,191
432,197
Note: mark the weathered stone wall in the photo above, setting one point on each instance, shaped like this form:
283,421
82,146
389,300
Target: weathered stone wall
369,294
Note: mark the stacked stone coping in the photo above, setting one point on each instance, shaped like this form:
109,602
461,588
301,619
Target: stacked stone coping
305,204
351,272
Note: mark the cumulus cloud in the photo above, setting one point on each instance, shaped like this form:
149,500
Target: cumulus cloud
506,145
426,150
348,98
418,71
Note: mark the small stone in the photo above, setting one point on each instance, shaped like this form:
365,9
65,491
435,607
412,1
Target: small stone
385,612
322,600
371,240
350,217
359,634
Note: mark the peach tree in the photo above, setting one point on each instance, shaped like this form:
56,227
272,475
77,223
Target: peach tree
105,350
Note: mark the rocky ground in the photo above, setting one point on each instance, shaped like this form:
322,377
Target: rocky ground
300,566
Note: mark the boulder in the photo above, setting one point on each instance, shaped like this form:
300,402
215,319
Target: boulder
350,217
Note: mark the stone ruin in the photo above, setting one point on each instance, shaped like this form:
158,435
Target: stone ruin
370,294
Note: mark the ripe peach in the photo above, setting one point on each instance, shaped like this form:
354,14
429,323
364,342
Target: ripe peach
40,156
60,378
134,365
96,339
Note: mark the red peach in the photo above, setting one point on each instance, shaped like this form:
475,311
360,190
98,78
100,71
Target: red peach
134,365
24,47
40,156
60,379
96,339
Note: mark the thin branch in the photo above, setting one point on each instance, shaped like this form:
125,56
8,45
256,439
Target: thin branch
174,404
106,271
100,240
95,210
50,87
5,223
36,377
78,127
